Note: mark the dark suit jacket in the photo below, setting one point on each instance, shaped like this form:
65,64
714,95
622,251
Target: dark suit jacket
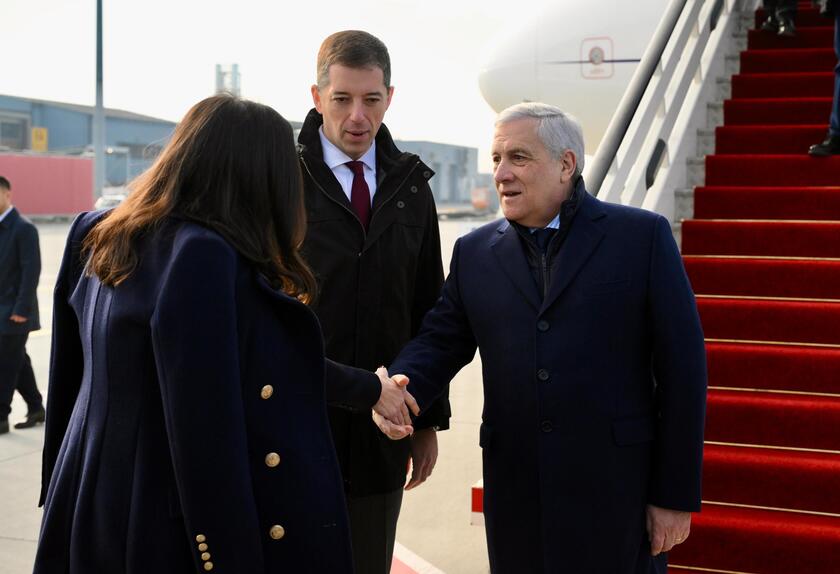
168,396
20,268
594,398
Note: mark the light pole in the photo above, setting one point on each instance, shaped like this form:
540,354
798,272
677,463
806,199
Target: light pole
98,114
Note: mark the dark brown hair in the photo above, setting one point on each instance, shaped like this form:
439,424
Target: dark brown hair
231,166
4,183
354,49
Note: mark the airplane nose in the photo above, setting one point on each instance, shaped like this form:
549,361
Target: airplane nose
508,75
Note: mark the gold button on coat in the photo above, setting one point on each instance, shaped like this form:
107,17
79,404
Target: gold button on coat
208,566
272,459
205,556
277,532
200,538
267,391
202,547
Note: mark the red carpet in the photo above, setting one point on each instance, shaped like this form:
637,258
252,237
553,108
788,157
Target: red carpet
766,139
774,367
761,320
732,202
772,478
773,419
763,257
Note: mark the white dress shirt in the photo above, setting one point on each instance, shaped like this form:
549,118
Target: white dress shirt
335,160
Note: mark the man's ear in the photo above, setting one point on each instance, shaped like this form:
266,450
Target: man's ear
390,95
569,162
316,97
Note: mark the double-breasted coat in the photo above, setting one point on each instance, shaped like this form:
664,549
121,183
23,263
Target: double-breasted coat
187,428
594,395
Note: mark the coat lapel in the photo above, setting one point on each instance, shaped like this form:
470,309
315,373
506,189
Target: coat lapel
511,257
584,237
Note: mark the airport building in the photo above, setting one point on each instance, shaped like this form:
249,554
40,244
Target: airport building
132,140
455,167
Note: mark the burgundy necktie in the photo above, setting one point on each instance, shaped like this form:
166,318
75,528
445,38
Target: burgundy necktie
360,192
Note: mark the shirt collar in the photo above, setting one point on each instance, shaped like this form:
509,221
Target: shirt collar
5,213
334,157
553,224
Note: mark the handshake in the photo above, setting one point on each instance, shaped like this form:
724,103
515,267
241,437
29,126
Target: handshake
391,411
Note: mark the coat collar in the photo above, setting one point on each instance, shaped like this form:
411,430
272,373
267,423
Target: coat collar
585,233
11,219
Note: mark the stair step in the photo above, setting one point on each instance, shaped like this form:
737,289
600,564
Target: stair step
731,539
795,139
761,238
808,37
783,85
774,478
773,419
774,367
802,203
772,170
781,61
777,111
771,320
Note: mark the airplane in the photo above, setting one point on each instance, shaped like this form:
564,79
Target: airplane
578,55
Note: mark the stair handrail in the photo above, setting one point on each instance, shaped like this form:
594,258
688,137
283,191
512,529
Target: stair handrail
641,158
629,103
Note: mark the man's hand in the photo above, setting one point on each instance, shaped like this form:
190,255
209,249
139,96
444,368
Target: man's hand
393,404
666,528
17,319
424,453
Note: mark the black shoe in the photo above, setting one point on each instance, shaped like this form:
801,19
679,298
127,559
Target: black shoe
32,419
4,426
786,27
831,146
770,25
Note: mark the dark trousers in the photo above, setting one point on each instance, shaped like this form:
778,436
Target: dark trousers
16,373
373,529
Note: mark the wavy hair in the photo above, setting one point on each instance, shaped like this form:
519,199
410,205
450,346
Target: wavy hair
231,166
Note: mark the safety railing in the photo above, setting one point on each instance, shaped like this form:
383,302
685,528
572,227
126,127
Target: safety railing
641,158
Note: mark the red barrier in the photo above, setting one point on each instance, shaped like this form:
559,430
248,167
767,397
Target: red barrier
49,185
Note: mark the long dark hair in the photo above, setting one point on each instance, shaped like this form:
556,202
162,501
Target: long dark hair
231,166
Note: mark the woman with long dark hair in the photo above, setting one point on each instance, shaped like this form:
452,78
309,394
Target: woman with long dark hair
187,428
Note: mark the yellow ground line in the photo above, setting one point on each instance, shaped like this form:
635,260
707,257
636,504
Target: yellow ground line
765,298
790,510
771,447
769,257
777,343
712,570
803,393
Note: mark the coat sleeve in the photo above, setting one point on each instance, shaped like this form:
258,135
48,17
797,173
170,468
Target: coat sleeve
29,255
679,369
66,356
351,387
195,343
427,291
444,345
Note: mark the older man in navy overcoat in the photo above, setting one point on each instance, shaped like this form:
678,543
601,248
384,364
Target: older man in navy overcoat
593,364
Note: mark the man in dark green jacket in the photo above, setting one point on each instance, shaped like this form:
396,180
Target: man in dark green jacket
373,242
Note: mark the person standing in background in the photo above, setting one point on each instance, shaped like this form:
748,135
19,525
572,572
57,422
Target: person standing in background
20,268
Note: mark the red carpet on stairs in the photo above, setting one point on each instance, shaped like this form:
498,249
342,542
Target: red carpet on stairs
763,257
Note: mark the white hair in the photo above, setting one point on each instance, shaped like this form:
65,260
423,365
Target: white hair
557,130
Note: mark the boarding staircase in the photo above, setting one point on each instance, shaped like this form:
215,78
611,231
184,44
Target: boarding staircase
761,245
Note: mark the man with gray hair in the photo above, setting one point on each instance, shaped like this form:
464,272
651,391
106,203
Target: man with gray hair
593,364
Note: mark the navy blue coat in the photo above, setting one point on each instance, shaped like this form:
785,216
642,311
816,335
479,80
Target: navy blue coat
20,268
594,397
168,396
